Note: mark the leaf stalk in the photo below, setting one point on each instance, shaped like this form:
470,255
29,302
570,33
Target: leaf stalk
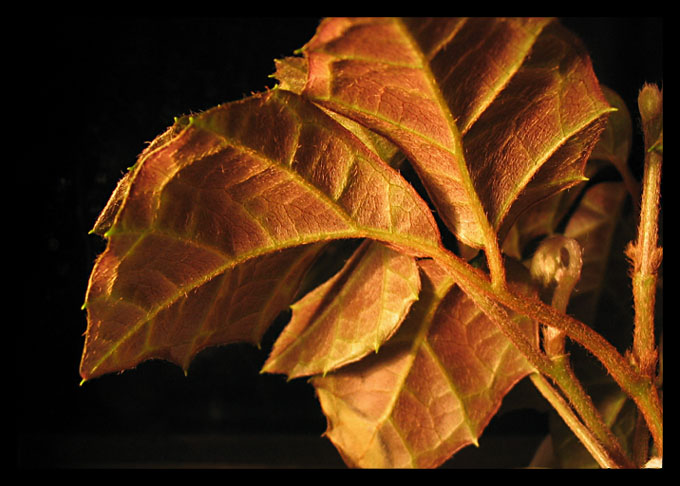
601,455
479,288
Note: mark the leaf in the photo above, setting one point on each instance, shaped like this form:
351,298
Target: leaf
592,225
430,390
292,74
244,180
544,217
212,231
350,315
494,114
540,220
236,306
615,142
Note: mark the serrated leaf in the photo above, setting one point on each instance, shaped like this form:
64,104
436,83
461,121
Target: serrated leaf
349,316
494,114
431,390
235,306
240,181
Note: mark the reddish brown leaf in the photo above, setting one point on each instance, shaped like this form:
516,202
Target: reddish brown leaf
615,142
592,225
236,306
242,180
494,114
349,316
544,217
292,74
431,389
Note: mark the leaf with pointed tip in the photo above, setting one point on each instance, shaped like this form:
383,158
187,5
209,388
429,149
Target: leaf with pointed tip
235,306
433,387
349,316
494,114
244,180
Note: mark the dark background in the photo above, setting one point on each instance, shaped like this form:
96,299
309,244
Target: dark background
91,93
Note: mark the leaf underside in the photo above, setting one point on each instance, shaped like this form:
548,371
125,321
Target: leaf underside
349,316
212,232
243,181
430,390
494,114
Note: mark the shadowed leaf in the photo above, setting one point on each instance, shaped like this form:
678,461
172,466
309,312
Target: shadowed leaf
615,142
593,225
431,389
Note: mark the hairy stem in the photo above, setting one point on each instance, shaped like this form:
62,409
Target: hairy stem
603,457
646,258
556,265
478,287
494,259
558,371
645,255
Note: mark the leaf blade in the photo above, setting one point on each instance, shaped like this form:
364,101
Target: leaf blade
219,194
458,132
349,316
431,390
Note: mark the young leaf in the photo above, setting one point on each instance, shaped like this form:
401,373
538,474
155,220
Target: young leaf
242,180
430,390
349,316
494,114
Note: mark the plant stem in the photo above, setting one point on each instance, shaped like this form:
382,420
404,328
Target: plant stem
494,260
584,406
477,286
646,257
560,373
559,260
640,388
594,447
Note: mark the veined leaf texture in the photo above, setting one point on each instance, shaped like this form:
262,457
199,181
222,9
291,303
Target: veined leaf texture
213,230
242,183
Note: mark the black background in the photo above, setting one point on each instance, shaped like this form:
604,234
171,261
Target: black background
92,91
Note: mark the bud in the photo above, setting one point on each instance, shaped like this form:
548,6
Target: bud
650,104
